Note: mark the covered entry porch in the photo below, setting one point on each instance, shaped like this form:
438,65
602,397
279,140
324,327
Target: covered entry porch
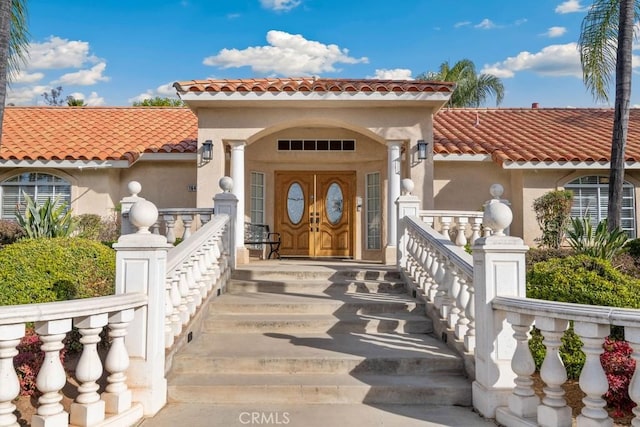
320,161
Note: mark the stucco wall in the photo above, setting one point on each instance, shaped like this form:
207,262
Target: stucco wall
164,183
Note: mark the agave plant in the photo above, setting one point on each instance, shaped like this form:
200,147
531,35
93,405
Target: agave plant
51,219
599,243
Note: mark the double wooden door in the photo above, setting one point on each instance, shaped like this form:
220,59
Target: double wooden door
314,213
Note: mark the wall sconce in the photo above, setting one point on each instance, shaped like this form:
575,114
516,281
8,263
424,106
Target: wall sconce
422,149
207,150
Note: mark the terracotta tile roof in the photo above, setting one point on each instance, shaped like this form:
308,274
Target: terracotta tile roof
533,134
95,133
310,84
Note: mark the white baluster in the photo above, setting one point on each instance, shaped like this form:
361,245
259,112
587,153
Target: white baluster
523,402
52,377
186,289
170,223
423,277
194,290
446,226
168,311
178,306
470,336
593,380
462,325
433,273
461,237
632,335
476,224
454,293
10,336
117,396
88,409
554,410
428,220
205,218
409,263
442,278
187,220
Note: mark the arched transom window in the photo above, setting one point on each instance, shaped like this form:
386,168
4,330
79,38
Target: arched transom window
38,185
590,199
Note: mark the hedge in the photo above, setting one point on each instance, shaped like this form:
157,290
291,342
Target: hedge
45,270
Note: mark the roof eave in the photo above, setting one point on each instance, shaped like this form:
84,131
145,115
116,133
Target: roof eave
566,165
65,164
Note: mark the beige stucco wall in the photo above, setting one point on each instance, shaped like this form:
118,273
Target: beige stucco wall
99,190
165,183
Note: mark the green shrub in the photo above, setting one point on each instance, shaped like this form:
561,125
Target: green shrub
51,219
95,227
583,280
10,231
44,270
600,243
553,211
633,247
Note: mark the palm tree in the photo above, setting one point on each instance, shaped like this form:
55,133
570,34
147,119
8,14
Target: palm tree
14,40
472,89
75,102
605,45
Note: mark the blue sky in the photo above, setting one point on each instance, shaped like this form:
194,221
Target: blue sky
115,52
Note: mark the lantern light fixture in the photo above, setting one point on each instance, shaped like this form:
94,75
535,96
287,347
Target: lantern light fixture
422,149
207,150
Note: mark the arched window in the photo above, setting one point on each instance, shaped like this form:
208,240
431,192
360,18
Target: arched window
590,199
38,185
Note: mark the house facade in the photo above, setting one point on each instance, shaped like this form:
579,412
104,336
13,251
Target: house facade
319,160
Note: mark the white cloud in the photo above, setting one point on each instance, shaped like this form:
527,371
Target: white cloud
164,91
395,74
553,32
486,24
286,54
461,24
570,6
84,77
554,60
93,100
59,53
26,94
24,78
280,5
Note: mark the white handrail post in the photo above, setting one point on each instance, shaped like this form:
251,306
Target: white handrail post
498,270
227,203
407,205
141,260
126,227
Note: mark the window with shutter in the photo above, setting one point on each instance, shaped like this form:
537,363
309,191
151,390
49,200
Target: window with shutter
591,199
38,186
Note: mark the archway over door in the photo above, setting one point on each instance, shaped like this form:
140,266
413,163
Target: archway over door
314,213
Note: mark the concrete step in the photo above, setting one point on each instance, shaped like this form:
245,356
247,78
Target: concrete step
293,323
278,271
315,303
320,388
398,354
322,285
314,415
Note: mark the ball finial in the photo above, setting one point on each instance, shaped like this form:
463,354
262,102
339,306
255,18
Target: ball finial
496,191
407,186
143,214
226,184
134,188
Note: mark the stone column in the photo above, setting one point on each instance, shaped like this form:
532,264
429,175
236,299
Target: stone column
407,205
134,188
237,174
141,260
393,192
498,270
226,203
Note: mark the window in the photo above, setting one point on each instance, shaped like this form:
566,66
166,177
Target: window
39,186
257,198
590,199
316,145
374,212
